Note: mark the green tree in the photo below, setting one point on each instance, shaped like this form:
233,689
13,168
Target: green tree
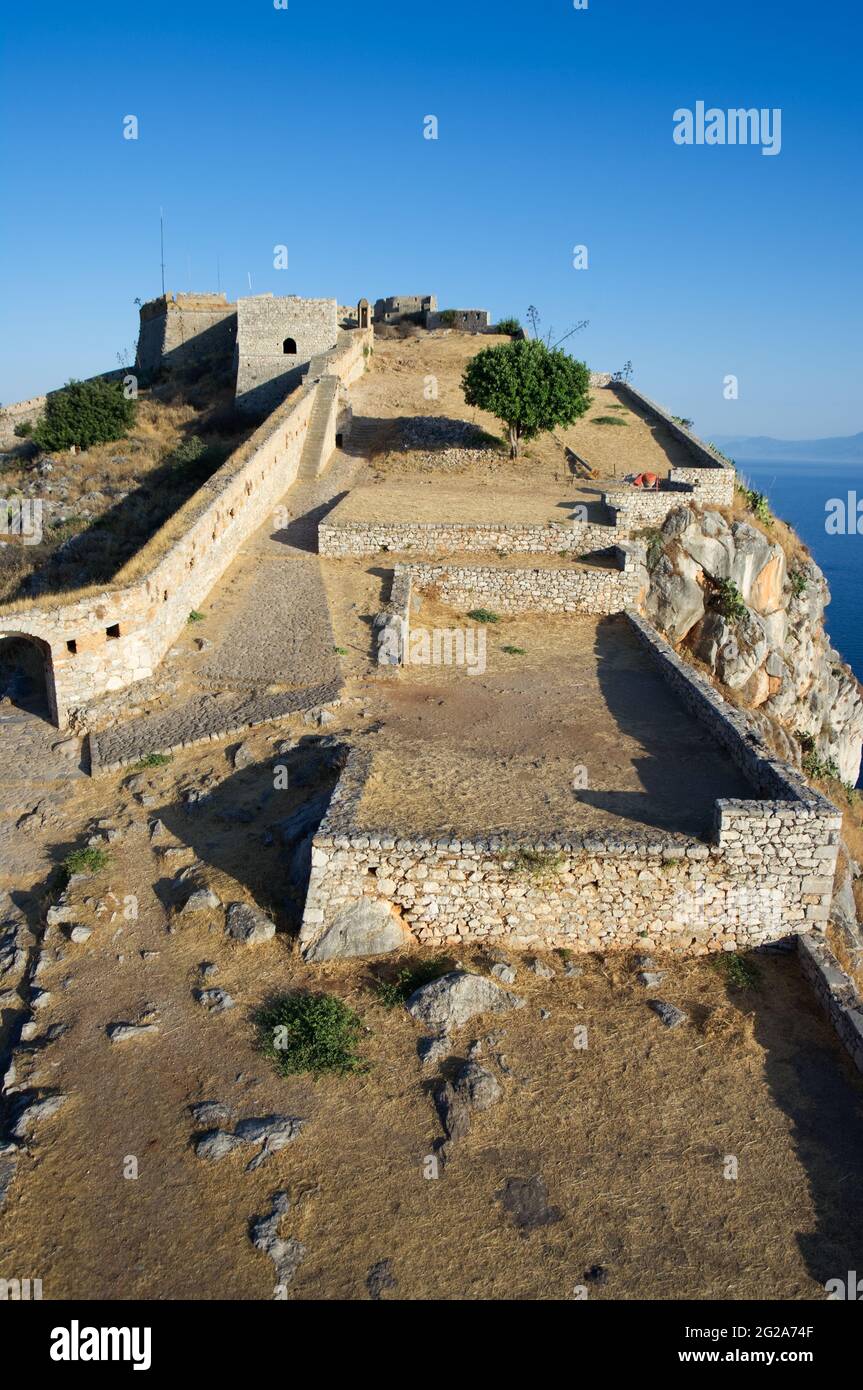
84,413
528,386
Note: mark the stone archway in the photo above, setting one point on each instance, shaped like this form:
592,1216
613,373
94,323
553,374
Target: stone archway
27,674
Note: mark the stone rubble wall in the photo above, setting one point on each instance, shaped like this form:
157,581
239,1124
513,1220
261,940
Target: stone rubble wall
766,871
151,611
337,539
835,992
600,591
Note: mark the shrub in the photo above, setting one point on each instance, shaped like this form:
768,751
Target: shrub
151,760
395,992
188,450
195,617
310,1032
483,615
84,413
90,860
608,420
757,504
814,766
799,582
739,972
447,317
683,421
510,326
513,651
729,600
23,429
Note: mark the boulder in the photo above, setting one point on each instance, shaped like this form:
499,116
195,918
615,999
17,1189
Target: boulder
366,927
248,923
452,1000
675,601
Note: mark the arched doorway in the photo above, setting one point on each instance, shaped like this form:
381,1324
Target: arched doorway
27,675
290,345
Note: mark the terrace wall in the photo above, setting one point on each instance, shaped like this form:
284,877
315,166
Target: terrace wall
598,590
84,659
342,538
766,871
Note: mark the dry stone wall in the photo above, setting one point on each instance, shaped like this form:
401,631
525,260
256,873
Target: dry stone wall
338,538
94,643
766,871
599,590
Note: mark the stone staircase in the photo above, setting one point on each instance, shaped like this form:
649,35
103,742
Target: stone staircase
312,460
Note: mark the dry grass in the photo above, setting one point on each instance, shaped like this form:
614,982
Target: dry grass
130,533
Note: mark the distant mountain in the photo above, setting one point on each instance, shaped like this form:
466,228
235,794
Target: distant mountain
840,449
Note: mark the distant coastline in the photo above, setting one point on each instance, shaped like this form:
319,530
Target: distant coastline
839,449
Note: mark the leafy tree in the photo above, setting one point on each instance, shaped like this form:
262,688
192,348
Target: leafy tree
84,413
510,326
528,386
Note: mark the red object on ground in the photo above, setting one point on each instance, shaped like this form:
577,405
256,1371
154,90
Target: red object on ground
648,480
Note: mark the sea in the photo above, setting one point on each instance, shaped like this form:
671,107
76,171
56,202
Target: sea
800,492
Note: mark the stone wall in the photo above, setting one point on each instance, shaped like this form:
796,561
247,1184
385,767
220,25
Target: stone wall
19,413
338,538
179,331
629,509
835,992
104,640
265,323
766,870
600,590
465,320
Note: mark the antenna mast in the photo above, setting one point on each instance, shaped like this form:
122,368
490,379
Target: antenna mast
162,245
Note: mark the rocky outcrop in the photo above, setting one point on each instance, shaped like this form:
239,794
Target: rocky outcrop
723,590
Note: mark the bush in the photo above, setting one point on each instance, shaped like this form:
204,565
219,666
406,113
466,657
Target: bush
814,766
90,860
757,504
84,413
152,760
310,1032
395,992
739,972
483,615
799,582
510,326
23,429
513,651
189,450
608,420
447,317
729,601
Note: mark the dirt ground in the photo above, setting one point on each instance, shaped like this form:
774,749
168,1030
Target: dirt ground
498,749
430,485
631,1134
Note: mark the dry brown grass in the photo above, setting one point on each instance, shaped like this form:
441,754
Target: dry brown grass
128,466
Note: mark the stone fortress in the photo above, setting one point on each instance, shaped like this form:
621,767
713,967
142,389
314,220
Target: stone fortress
296,366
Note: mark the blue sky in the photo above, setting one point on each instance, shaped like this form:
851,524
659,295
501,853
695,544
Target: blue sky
305,127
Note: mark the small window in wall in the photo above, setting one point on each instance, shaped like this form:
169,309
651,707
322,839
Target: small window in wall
339,441
165,596
72,646
290,345
113,630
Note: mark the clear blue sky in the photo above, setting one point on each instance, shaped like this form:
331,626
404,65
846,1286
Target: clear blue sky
261,126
